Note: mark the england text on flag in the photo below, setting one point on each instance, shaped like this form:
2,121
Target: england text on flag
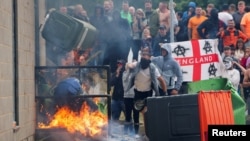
199,59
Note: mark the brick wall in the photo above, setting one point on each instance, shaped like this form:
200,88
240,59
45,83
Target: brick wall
26,63
6,71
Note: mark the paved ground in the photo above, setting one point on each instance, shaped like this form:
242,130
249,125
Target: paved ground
118,134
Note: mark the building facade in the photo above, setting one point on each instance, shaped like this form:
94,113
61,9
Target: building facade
19,25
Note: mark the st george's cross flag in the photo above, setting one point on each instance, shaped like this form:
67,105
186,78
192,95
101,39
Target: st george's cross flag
199,59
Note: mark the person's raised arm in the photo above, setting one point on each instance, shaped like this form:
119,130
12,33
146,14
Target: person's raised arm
240,66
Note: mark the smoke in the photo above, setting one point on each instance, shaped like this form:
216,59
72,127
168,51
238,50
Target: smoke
113,36
120,130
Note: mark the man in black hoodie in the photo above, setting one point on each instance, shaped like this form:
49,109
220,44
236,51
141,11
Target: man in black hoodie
210,27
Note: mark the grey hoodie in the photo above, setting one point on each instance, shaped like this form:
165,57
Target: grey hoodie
169,67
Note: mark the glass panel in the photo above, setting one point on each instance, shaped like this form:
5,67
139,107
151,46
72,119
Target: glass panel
63,108
92,80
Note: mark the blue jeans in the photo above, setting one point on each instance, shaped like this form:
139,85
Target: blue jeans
117,106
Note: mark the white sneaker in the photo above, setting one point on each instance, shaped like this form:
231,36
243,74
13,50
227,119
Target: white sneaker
137,136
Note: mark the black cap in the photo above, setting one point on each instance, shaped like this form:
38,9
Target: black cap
162,27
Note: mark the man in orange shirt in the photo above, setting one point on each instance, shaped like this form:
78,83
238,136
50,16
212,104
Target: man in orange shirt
245,22
194,22
231,35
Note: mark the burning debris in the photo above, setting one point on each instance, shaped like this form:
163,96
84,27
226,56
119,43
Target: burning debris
75,117
87,122
86,125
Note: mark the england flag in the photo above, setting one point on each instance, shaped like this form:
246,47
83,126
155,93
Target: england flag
199,59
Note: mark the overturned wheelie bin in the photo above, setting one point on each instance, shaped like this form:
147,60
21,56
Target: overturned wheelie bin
185,117
239,106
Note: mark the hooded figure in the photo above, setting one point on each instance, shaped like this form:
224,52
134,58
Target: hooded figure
185,14
210,27
170,69
192,4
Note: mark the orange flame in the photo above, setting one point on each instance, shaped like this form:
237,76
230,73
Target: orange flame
87,122
96,100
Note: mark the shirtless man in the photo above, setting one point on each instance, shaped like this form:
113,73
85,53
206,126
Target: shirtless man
246,84
164,15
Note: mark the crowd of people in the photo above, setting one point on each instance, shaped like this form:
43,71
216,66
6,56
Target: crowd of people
145,31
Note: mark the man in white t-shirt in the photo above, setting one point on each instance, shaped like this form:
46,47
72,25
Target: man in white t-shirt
144,76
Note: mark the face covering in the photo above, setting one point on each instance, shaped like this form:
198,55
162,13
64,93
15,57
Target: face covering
145,63
228,65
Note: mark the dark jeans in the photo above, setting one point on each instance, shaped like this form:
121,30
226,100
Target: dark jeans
117,106
129,108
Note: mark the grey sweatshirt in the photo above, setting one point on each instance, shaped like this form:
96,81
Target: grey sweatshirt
169,67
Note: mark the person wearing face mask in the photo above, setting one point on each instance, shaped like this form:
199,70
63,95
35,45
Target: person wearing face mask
227,52
144,76
170,70
232,74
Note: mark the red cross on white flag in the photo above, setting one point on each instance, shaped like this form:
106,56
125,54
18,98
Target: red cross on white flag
199,59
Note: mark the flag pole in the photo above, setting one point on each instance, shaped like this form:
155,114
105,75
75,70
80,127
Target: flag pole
171,8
